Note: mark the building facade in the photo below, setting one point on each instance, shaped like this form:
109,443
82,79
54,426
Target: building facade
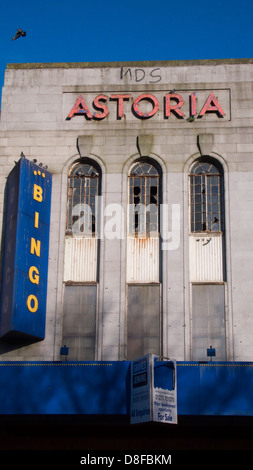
150,246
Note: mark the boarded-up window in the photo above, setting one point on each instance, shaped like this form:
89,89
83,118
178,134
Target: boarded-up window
208,321
143,325
79,323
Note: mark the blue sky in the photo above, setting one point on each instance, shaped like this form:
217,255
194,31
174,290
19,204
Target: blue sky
120,30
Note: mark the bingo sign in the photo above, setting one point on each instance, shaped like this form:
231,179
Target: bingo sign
26,247
153,390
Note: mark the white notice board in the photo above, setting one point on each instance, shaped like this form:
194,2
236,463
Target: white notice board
153,390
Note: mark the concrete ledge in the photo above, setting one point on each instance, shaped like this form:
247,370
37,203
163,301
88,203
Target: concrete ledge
152,63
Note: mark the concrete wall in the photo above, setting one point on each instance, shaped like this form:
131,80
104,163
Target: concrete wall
36,100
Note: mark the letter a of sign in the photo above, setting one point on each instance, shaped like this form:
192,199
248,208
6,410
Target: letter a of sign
212,105
80,107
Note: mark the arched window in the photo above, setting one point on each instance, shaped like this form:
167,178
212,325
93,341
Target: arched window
206,196
144,199
81,274
207,258
83,187
144,301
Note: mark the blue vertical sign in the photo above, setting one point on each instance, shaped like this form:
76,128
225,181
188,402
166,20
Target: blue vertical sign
26,247
140,402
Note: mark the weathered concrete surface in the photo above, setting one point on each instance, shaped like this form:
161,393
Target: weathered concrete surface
36,100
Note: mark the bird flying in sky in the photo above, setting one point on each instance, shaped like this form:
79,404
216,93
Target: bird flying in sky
19,33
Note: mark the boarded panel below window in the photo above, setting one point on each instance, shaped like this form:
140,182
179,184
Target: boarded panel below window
206,258
143,325
80,263
143,260
79,321
208,321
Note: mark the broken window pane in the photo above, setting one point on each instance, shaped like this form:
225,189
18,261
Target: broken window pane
206,197
83,187
144,196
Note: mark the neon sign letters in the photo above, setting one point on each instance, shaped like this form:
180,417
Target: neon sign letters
173,103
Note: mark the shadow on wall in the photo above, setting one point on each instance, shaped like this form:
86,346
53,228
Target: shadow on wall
65,388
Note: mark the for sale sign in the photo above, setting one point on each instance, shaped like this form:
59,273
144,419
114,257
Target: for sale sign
153,390
164,391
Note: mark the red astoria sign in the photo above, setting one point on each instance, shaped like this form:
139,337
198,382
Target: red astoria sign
173,103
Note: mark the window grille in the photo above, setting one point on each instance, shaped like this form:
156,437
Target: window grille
144,200
206,197
83,187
